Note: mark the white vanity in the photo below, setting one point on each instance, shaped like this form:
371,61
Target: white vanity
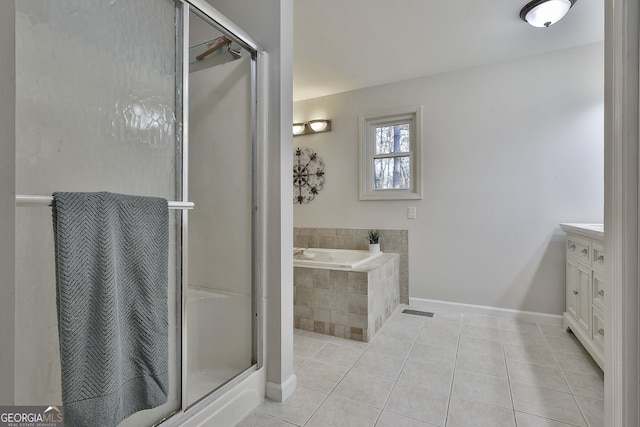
585,285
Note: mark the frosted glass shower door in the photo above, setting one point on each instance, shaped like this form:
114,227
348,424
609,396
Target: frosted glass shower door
97,110
221,264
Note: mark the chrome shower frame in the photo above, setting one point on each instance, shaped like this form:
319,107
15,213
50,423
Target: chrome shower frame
258,141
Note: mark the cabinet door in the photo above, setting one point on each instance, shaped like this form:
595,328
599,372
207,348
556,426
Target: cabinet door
584,297
578,295
572,288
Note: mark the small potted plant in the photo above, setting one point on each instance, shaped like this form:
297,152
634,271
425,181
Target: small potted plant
373,237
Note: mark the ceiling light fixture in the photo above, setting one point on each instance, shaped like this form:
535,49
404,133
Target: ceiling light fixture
543,13
312,126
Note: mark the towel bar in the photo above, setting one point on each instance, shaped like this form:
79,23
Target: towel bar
28,200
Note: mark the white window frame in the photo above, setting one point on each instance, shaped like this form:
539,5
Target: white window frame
367,125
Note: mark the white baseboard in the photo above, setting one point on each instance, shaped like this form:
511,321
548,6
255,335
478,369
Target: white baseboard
280,392
446,306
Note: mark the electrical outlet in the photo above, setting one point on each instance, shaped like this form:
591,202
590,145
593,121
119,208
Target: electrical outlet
411,212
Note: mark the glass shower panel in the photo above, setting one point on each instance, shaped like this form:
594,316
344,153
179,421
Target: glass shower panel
97,110
219,303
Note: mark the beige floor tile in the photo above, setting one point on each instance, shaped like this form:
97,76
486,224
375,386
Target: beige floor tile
401,331
418,403
299,361
337,354
379,364
537,375
389,419
481,332
481,364
577,363
483,388
480,320
434,377
519,325
593,410
435,337
365,388
409,322
444,325
315,336
523,339
567,343
553,330
338,411
546,403
586,385
530,353
306,347
490,365
298,407
466,413
445,356
320,376
528,420
391,345
349,343
257,419
470,344
451,315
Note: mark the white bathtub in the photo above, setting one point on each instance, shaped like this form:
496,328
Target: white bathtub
332,258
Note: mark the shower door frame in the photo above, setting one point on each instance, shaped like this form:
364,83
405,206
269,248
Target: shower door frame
258,99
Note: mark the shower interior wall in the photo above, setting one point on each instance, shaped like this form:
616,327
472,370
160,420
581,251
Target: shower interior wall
220,226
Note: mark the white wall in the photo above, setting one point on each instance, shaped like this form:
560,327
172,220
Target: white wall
509,151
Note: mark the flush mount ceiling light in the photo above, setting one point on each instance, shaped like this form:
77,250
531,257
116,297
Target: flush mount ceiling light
312,126
543,13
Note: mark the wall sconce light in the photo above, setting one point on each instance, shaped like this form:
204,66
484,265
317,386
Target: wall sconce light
312,126
543,13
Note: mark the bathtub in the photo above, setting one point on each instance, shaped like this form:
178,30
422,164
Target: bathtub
332,258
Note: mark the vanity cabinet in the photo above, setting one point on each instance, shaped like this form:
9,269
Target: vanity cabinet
585,286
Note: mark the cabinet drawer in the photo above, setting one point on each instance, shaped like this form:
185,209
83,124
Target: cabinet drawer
598,328
598,291
579,249
597,256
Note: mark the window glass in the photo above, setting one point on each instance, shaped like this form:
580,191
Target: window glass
390,162
393,138
392,172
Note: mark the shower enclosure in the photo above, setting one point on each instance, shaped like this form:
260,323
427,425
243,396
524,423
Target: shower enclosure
110,97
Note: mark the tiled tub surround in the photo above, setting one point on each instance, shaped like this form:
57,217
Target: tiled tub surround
394,241
351,303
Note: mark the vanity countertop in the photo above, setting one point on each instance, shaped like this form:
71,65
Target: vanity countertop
589,230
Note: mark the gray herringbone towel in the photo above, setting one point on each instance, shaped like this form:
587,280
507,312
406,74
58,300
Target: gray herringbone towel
111,274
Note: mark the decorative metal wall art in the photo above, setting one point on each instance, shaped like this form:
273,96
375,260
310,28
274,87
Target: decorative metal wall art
308,175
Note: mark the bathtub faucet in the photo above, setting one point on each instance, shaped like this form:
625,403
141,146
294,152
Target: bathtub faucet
298,251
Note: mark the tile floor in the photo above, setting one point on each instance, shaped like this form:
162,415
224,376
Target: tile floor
450,370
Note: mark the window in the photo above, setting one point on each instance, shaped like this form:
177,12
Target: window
390,155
